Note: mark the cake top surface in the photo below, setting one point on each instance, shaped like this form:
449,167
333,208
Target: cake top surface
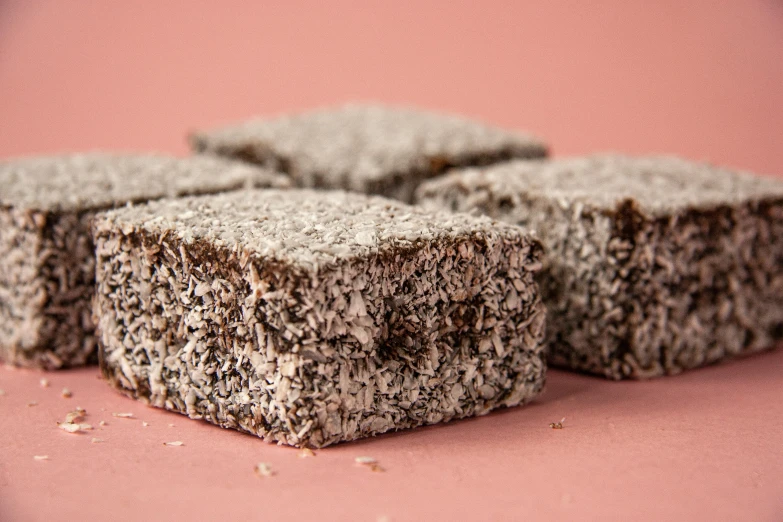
359,143
101,180
302,227
658,184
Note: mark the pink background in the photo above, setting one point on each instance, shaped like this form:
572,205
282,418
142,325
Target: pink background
702,78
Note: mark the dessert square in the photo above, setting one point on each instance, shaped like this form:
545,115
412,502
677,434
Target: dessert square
654,265
46,206
367,148
309,318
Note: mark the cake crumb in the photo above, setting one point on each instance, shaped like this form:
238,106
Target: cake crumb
174,443
171,425
96,440
66,393
70,427
44,383
145,423
306,452
102,423
74,427
40,457
557,425
264,469
75,415
123,415
31,404
369,462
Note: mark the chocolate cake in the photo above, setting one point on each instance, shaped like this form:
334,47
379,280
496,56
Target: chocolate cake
654,264
46,205
367,148
309,318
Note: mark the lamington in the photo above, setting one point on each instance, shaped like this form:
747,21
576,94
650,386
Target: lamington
367,148
46,206
308,318
654,264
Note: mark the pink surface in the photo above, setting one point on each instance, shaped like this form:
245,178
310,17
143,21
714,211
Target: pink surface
701,78
707,445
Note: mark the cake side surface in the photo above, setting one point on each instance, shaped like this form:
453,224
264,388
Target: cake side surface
367,148
21,290
47,205
704,286
46,288
399,335
637,288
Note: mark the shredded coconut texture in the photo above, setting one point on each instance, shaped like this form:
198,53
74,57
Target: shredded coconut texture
367,148
46,207
81,182
655,264
310,318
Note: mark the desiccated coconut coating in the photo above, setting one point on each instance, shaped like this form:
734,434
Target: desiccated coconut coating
309,318
654,265
46,206
367,148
